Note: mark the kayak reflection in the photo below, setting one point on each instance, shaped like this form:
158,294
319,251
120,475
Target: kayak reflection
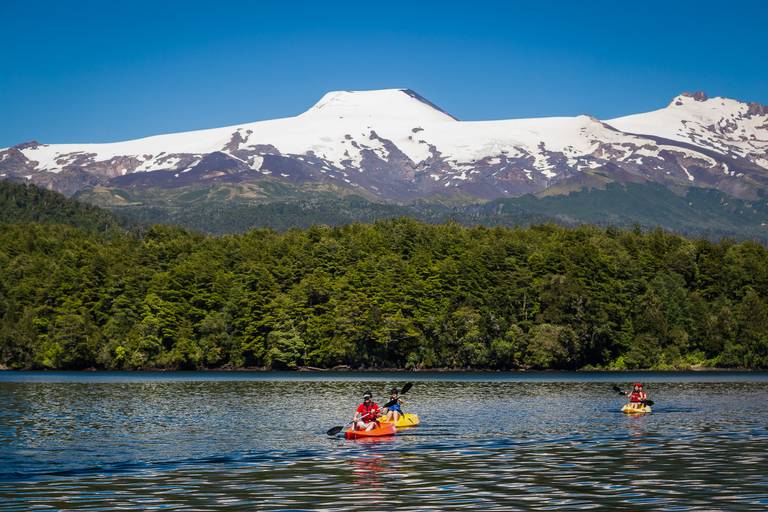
369,469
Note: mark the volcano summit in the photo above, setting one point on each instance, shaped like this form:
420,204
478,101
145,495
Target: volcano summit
394,145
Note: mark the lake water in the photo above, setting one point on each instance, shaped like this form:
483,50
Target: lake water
256,441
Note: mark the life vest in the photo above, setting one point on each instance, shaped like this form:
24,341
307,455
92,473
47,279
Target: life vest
368,413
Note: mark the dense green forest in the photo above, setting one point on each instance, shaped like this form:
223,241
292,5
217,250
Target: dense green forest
397,293
696,212
28,203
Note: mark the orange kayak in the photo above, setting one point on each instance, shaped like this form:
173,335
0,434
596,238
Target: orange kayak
384,429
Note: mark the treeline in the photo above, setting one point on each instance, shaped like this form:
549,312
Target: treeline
397,293
221,217
20,202
697,212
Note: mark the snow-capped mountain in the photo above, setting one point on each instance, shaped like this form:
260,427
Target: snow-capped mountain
726,126
396,145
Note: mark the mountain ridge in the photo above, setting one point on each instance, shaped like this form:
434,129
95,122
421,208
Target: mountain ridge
394,145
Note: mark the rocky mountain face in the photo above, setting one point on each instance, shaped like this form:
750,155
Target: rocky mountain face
394,145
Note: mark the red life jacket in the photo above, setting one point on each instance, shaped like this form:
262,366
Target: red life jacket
368,413
637,396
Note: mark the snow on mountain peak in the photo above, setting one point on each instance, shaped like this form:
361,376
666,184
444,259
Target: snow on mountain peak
395,143
686,108
699,104
401,104
687,97
725,125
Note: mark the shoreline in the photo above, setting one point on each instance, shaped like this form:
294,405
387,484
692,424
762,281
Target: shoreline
346,369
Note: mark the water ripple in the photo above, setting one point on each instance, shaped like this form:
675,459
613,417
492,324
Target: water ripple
260,445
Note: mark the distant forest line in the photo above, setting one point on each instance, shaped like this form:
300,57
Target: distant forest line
693,212
78,290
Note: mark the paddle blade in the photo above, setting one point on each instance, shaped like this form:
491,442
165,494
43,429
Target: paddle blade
649,402
334,430
616,389
406,388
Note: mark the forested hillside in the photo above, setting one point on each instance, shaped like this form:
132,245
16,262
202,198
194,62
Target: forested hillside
224,209
397,293
29,203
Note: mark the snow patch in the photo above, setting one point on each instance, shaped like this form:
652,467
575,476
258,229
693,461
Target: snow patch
255,162
688,174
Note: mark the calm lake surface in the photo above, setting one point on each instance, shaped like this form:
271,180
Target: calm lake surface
256,441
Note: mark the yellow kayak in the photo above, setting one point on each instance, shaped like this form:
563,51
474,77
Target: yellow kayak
636,408
405,420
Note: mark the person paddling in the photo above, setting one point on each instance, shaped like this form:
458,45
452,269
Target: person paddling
366,414
638,396
395,411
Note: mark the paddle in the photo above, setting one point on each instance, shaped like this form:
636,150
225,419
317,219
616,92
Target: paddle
644,402
335,430
406,388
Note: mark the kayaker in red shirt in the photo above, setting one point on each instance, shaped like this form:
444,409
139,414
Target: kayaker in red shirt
366,414
637,395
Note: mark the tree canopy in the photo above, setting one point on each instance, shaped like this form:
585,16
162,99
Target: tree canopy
396,294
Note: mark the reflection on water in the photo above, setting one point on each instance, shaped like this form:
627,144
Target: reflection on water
369,469
493,443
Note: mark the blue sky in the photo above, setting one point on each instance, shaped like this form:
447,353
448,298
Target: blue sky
95,72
